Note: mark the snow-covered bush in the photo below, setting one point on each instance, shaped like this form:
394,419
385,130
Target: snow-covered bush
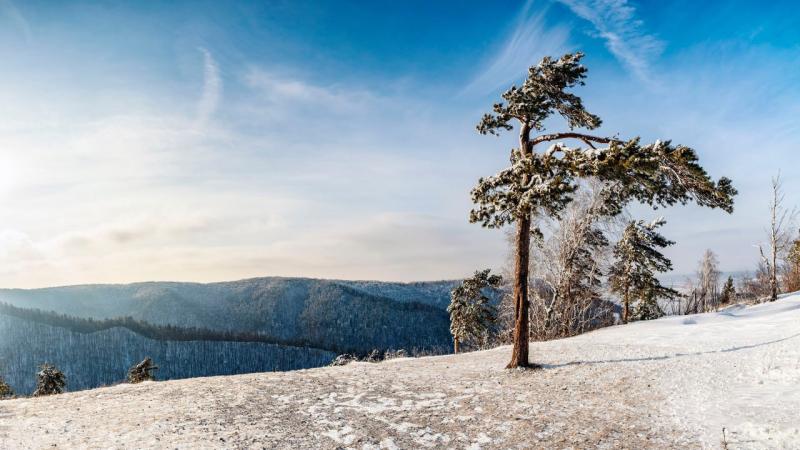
5,389
142,371
393,354
343,359
49,381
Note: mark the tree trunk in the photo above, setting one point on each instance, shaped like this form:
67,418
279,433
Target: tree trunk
774,275
775,231
625,306
455,345
519,354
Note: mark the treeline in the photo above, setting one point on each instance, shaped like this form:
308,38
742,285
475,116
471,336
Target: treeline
90,360
145,329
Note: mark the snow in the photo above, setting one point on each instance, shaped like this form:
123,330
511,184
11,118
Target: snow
670,383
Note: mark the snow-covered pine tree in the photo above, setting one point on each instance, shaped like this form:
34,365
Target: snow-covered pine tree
633,274
471,314
728,292
49,381
543,183
647,308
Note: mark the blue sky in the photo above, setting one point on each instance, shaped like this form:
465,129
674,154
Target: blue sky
219,140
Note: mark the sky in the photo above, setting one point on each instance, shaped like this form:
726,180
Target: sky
206,141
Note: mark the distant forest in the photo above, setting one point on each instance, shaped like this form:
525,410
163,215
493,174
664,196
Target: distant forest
339,316
145,329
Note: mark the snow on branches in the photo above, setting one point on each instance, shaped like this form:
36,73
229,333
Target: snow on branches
471,313
657,174
542,94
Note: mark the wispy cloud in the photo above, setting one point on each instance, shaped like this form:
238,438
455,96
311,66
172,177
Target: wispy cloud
8,9
212,88
529,40
284,91
615,22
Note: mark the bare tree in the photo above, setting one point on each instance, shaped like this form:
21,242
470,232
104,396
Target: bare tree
690,303
568,264
708,282
755,286
778,235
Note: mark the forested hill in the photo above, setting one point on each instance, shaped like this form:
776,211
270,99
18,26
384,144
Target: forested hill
353,316
147,330
92,359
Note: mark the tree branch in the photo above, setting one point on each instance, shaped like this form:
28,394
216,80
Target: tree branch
583,137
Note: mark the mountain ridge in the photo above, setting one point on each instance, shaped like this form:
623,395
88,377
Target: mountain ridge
354,315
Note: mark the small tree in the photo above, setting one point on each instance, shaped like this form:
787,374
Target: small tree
471,314
5,389
708,282
49,381
779,240
728,292
648,308
542,184
792,277
142,372
568,265
638,259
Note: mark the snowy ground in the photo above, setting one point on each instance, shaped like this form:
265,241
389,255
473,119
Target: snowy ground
670,383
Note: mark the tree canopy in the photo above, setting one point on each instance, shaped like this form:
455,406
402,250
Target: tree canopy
657,174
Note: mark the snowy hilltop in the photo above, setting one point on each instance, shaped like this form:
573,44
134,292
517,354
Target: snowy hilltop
675,382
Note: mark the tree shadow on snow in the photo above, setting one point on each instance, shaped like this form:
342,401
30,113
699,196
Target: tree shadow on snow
673,356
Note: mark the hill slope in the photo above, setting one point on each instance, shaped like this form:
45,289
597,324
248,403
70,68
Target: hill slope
345,316
102,358
669,383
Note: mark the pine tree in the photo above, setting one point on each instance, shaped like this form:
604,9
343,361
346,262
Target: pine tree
142,372
471,314
633,274
5,389
542,183
728,292
49,381
648,308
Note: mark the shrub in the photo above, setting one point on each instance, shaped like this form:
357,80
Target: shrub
5,389
142,372
49,381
